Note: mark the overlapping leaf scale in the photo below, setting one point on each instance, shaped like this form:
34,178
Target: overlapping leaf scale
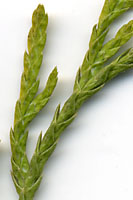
111,10
98,53
110,48
41,99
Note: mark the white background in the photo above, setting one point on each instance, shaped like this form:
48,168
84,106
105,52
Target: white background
94,157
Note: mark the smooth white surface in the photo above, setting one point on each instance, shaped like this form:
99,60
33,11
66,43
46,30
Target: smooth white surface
94,157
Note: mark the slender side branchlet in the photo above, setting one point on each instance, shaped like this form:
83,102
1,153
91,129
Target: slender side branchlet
91,77
29,102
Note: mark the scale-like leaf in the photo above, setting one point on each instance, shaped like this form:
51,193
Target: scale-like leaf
91,77
28,105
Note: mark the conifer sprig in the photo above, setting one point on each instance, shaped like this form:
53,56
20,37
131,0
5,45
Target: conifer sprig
91,77
29,103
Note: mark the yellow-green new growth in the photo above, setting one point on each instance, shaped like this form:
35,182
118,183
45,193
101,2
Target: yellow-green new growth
91,77
29,104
